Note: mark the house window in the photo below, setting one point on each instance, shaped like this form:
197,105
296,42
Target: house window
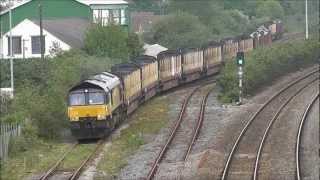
35,44
16,45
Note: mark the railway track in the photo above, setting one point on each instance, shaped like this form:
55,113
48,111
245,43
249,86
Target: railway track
299,134
243,159
174,134
258,160
76,172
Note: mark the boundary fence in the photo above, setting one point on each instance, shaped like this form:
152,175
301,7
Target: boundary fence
7,133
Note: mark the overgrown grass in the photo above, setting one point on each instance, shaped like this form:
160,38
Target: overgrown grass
148,119
39,156
267,64
78,155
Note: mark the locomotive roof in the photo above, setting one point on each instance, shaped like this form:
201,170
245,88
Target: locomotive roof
144,59
124,68
104,80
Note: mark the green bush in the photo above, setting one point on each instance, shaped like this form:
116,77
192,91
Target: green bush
135,46
270,8
42,86
265,65
179,30
111,41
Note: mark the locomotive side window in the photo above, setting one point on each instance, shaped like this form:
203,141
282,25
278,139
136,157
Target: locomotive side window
96,98
77,99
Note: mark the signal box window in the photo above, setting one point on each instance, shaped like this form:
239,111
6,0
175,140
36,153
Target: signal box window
16,45
108,16
123,17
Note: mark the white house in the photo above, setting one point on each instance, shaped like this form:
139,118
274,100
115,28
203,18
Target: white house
59,34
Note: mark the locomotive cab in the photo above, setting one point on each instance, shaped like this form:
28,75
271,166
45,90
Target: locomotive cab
91,105
88,103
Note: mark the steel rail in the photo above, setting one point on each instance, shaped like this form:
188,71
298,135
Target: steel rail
77,172
274,118
298,142
57,164
235,145
173,132
199,125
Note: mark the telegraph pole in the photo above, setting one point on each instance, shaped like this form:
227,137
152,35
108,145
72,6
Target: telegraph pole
11,51
307,25
41,33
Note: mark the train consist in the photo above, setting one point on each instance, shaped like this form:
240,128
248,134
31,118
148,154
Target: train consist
98,104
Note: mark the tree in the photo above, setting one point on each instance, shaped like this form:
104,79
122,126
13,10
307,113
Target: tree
143,5
270,8
180,30
110,41
135,46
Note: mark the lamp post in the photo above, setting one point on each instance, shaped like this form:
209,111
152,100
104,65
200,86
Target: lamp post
11,51
307,25
41,32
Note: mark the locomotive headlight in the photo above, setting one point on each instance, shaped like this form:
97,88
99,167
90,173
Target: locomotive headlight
100,117
76,118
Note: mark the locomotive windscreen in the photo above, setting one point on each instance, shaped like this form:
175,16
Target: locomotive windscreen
87,97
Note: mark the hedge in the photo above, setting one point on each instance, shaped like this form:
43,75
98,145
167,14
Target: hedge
264,65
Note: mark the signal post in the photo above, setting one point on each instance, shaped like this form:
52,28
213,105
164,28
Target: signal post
240,63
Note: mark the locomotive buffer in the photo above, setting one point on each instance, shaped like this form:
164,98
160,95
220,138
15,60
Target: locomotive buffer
240,63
